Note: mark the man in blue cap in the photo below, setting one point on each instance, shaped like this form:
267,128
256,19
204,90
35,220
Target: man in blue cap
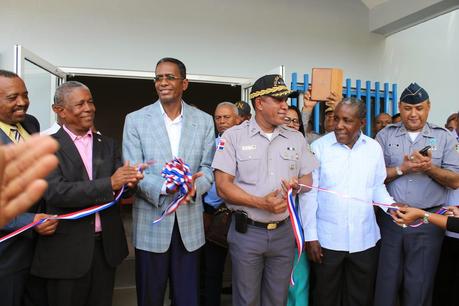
421,163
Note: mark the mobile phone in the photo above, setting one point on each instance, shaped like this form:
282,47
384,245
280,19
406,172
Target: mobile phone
241,221
424,151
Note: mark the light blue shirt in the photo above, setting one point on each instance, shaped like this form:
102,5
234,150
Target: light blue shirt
343,224
212,197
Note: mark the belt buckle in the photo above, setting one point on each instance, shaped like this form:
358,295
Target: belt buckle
271,226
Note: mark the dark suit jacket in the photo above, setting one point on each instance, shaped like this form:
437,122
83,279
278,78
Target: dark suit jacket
68,253
16,253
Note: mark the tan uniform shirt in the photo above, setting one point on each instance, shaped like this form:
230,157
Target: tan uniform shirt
258,164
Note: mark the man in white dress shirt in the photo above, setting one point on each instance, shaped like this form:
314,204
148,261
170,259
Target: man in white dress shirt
341,233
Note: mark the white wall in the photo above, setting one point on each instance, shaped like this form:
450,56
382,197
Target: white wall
236,38
231,38
429,55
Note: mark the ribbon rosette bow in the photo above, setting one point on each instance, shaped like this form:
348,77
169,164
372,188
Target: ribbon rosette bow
178,178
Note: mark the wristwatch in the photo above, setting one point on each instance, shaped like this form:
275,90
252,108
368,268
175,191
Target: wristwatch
398,170
425,219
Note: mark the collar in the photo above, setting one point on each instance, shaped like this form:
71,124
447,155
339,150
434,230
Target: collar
454,132
360,141
163,113
426,130
6,126
254,129
76,137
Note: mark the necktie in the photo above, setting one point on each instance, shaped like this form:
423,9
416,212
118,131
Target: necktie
15,133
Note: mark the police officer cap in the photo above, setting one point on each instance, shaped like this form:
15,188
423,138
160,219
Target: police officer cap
271,85
243,108
414,94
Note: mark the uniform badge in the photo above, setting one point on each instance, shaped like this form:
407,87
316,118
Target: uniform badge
433,144
221,144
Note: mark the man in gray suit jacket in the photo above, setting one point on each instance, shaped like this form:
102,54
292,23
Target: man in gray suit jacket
156,134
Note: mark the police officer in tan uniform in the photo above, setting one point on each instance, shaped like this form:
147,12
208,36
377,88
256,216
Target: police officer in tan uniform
253,162
409,256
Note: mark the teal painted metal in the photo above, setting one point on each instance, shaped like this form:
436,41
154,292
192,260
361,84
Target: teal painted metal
372,94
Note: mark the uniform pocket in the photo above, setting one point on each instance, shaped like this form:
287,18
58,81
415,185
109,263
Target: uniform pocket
290,159
249,163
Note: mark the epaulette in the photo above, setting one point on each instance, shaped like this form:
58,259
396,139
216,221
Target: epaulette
437,127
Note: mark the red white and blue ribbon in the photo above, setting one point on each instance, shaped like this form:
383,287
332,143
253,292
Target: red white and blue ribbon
178,177
70,216
297,229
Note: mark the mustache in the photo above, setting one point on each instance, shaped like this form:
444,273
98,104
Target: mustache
19,108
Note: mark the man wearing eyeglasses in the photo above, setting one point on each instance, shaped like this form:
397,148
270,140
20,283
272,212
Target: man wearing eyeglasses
156,134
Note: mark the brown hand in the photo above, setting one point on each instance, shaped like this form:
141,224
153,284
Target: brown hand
314,251
46,228
192,193
308,104
125,174
274,202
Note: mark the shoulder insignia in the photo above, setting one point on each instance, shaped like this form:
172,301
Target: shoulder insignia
221,144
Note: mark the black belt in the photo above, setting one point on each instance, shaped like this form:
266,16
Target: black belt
269,226
433,209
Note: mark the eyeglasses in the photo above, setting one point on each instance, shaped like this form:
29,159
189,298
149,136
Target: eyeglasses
167,77
289,120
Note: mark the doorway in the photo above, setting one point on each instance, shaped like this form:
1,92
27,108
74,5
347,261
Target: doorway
116,97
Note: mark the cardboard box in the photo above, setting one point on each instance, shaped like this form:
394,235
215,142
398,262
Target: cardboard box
324,81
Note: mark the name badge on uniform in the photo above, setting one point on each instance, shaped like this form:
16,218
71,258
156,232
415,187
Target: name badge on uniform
249,148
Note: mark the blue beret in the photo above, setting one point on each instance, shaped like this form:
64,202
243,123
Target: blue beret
414,94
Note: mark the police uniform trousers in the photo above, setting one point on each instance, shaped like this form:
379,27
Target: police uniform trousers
447,280
344,278
407,263
154,269
262,261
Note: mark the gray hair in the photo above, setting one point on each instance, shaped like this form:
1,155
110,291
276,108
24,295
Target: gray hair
356,103
63,90
230,105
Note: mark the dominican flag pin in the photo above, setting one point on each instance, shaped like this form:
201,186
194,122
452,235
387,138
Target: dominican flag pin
221,145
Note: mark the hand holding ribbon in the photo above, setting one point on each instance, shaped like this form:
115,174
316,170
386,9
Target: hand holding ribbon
127,175
48,228
178,180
